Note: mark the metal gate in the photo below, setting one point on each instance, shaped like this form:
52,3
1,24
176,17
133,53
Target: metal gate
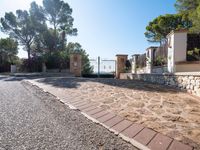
103,66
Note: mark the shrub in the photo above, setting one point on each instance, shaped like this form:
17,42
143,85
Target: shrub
160,61
57,60
35,63
193,55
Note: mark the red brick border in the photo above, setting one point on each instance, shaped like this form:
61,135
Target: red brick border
139,136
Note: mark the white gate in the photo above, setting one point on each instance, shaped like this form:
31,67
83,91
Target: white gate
103,66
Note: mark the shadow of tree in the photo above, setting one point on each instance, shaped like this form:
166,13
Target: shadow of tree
65,82
2,77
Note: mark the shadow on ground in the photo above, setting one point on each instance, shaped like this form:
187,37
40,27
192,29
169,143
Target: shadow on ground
64,82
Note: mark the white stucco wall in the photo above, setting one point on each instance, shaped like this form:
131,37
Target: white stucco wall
180,46
177,49
149,61
170,61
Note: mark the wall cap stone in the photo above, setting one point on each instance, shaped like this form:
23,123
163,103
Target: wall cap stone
187,62
172,74
187,73
136,55
178,31
121,55
151,47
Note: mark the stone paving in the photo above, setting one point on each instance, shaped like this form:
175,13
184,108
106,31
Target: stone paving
166,110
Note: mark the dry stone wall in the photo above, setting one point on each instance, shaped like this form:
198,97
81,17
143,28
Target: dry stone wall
187,82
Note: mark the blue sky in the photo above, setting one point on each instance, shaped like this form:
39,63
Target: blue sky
107,27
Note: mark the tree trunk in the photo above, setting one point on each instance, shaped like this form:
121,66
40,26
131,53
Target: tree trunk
29,57
55,40
63,40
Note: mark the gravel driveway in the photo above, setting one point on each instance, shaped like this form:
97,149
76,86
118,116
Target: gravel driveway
31,119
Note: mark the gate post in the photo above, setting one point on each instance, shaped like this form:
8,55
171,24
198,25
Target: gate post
75,64
134,63
150,59
98,66
121,64
177,48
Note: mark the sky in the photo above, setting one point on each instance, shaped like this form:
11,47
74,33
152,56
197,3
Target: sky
106,27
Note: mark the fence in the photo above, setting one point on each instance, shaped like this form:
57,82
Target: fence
141,61
193,47
160,55
4,67
103,66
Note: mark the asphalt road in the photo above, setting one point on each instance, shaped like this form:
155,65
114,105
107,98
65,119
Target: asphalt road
31,119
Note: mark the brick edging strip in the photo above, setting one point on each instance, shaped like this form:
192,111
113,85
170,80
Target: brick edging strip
139,136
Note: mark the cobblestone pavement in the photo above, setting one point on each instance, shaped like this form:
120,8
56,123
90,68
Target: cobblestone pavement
166,110
33,120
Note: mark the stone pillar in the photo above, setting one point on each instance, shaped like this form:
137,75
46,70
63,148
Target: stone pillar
149,59
13,68
177,48
134,63
75,64
120,64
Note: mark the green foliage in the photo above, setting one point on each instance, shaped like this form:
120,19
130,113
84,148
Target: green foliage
158,29
190,52
61,59
57,60
45,43
43,32
8,51
186,6
35,62
58,14
21,27
159,61
193,55
195,17
191,10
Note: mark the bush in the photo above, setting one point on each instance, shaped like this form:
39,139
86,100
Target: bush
193,55
160,61
57,60
35,63
5,67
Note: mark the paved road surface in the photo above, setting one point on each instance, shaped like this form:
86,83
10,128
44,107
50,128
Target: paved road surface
31,119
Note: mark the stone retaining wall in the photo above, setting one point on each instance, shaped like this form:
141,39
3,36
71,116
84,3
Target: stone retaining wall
189,82
159,69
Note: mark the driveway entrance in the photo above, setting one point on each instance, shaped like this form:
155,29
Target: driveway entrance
166,110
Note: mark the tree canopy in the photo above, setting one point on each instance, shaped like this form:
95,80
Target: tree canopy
191,10
186,6
60,17
40,23
8,50
187,17
20,27
157,30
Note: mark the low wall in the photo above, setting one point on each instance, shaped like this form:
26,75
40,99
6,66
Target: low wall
189,82
159,69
